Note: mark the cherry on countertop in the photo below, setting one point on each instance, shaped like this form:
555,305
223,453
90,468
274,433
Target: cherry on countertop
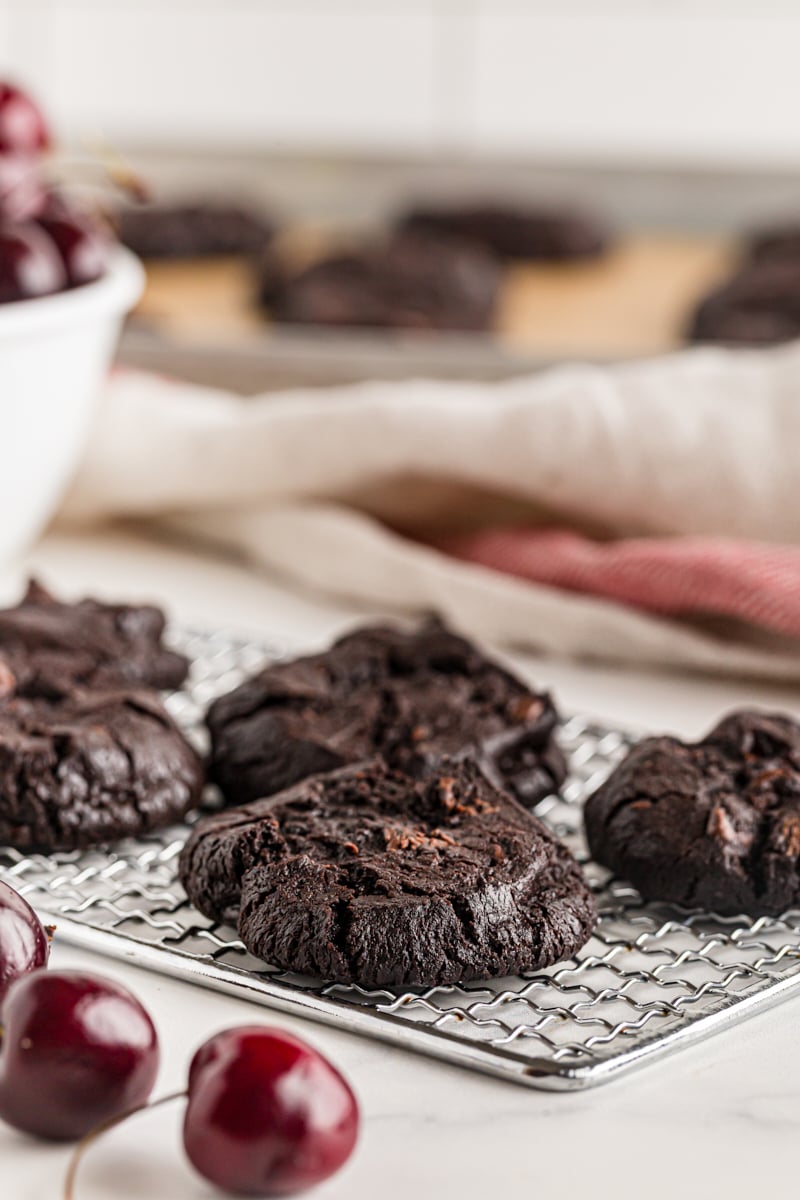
267,1114
24,945
76,1050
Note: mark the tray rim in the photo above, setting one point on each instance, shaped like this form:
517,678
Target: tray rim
533,1072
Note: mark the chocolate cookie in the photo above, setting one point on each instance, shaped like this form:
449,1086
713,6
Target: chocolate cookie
412,698
51,646
410,282
776,243
89,768
192,230
550,234
758,306
365,876
714,824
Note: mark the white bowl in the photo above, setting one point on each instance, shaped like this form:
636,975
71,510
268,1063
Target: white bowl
54,355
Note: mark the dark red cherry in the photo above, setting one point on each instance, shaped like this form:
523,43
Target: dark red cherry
267,1115
79,240
30,264
22,187
76,1050
22,125
24,944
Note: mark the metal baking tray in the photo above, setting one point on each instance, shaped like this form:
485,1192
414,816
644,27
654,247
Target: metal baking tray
284,357
329,197
652,980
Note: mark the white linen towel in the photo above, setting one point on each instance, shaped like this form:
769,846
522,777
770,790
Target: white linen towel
317,483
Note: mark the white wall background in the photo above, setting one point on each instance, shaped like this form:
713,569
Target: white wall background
711,81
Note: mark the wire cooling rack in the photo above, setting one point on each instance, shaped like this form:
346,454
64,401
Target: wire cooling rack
651,980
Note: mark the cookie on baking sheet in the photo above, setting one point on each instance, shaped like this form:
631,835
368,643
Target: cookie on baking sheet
413,698
91,767
411,282
52,647
713,824
779,242
532,232
365,876
757,306
194,229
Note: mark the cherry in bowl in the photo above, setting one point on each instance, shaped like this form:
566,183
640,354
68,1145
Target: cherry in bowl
79,239
23,189
23,129
30,264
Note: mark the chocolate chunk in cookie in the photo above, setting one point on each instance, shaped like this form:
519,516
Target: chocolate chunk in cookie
90,768
412,698
365,876
714,824
543,233
52,647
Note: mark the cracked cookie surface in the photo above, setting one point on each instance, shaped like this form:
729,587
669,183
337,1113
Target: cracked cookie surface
52,647
365,876
413,698
713,824
91,768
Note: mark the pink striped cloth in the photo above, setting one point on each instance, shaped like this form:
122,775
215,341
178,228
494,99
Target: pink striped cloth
678,576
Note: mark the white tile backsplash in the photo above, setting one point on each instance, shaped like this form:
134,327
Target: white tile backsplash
5,35
245,73
638,86
665,79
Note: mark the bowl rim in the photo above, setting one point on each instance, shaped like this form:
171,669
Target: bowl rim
116,291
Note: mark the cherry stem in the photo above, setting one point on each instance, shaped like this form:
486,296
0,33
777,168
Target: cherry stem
102,163
107,177
91,1137
118,171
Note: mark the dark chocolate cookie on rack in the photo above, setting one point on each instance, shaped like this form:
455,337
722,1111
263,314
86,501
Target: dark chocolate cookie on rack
713,824
192,229
89,768
535,232
413,698
365,876
52,646
410,282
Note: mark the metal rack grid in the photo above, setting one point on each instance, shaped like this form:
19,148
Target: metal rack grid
651,980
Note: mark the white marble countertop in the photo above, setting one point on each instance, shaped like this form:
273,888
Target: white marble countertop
718,1120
